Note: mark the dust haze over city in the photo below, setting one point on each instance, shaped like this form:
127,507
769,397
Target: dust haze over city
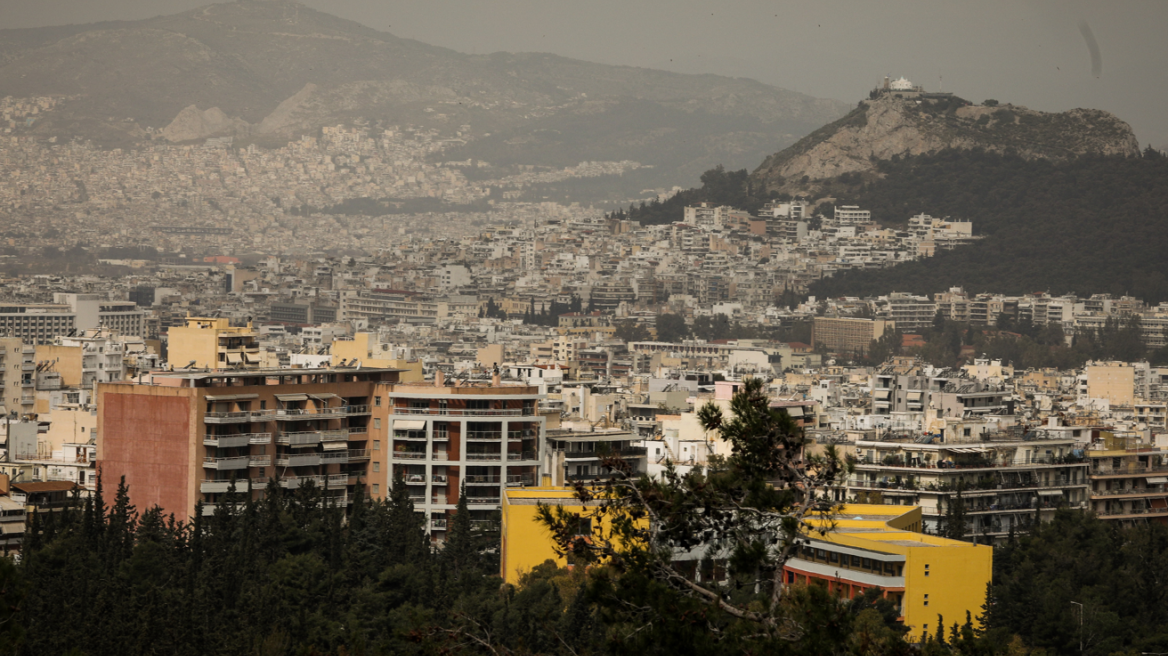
582,328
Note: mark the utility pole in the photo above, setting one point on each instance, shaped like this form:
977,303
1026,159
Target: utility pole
1080,625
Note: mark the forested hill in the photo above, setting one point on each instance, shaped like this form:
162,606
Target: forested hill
1088,225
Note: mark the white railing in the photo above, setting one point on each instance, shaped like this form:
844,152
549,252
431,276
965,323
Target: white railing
467,412
301,438
300,460
240,462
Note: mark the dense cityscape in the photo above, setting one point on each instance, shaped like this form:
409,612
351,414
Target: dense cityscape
319,383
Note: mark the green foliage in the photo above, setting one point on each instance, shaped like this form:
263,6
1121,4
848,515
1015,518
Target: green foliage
1088,225
671,328
719,186
631,331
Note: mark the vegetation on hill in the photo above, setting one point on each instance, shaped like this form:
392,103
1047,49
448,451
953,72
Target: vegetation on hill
1089,225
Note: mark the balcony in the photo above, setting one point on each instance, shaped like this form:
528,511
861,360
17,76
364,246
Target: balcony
415,479
300,438
484,456
359,431
358,455
439,479
239,417
221,487
27,366
259,461
298,460
441,455
225,464
336,481
487,436
520,479
236,441
627,452
484,524
439,524
334,436
492,479
409,455
334,458
294,482
493,501
467,412
306,414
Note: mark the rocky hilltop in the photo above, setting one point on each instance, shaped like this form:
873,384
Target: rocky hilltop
891,125
272,70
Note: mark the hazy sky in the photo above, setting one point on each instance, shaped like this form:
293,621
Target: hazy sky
1028,53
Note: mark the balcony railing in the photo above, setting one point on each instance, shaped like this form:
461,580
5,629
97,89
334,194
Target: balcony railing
481,500
304,414
521,479
469,412
334,458
337,480
225,441
474,479
409,455
484,456
627,452
238,417
439,479
293,482
222,464
298,460
221,487
358,430
334,436
358,455
301,438
259,461
439,524
484,435
415,479
484,524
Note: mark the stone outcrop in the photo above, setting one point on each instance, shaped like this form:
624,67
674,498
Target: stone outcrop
891,126
192,124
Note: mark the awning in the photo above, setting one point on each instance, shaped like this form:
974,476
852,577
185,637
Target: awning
409,424
1050,493
324,396
335,446
235,358
1157,480
250,359
882,393
292,397
1158,503
232,397
914,396
794,410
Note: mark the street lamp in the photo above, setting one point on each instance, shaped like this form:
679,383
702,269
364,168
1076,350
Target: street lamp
1080,625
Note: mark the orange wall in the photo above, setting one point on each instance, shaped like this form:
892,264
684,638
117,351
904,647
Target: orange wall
146,438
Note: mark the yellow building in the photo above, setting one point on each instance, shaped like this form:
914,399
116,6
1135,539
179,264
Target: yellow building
872,546
208,343
368,349
526,543
881,546
1114,381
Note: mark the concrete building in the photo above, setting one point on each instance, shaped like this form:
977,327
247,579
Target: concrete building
181,438
884,548
17,377
486,436
841,335
1129,479
208,343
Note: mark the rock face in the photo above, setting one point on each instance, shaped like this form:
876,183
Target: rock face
889,126
192,124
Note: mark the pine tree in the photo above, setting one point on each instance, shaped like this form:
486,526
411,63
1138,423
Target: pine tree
460,552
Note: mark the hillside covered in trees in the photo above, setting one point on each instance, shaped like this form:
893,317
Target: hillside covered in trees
1090,225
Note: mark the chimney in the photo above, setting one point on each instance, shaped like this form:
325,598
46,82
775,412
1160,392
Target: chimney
495,380
439,378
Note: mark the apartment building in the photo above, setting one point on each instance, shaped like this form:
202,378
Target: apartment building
1006,479
1129,479
883,548
182,438
17,377
842,335
213,343
488,436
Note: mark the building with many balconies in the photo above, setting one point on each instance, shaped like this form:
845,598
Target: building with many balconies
181,439
486,436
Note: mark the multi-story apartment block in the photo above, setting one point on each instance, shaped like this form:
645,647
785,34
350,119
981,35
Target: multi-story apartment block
484,436
907,311
182,438
843,335
388,305
212,343
1129,479
1006,479
17,377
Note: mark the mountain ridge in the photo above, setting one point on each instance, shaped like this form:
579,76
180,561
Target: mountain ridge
127,81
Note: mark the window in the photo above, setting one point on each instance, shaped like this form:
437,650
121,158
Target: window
926,600
376,445
376,489
377,401
584,527
376,466
263,405
855,561
834,557
867,563
377,423
926,573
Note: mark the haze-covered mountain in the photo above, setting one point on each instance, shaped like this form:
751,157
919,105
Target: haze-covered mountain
268,71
